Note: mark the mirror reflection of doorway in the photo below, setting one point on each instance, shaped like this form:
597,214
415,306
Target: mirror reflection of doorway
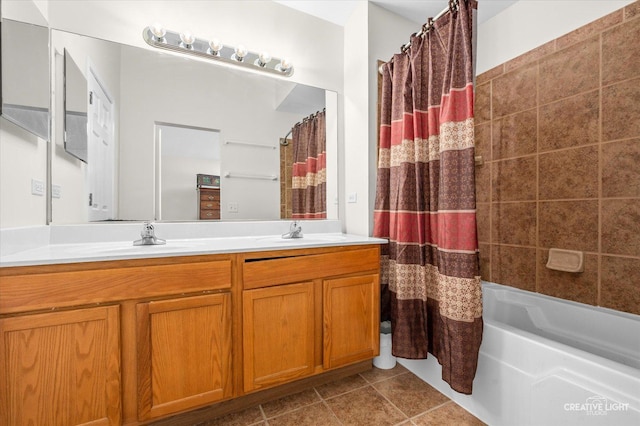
100,150
183,153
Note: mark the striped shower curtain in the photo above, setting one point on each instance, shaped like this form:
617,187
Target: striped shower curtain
425,200
309,168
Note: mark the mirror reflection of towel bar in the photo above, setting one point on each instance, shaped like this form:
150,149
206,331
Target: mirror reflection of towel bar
257,145
243,176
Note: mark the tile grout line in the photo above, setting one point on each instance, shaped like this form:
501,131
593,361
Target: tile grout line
434,408
598,301
385,378
324,402
343,393
264,415
407,417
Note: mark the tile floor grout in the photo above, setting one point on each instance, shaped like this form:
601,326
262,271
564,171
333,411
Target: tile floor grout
338,409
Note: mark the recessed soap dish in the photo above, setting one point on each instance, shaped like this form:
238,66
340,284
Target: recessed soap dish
566,260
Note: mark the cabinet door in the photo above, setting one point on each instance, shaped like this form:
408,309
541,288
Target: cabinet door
61,368
184,353
278,334
351,320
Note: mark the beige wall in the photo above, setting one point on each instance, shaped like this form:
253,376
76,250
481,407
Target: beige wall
559,131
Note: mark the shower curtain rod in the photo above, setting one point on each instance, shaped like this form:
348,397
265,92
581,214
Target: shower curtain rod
284,140
453,6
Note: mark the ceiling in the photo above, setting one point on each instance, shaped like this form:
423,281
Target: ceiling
338,11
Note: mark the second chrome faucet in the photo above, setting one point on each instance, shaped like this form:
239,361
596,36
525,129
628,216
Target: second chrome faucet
295,231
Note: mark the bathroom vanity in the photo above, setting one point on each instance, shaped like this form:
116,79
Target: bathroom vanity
139,339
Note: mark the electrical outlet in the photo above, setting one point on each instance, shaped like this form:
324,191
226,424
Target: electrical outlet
232,207
37,187
353,197
56,191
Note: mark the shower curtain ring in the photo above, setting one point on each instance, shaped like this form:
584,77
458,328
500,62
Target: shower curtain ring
427,26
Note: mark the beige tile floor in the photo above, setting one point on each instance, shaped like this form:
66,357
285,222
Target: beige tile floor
374,398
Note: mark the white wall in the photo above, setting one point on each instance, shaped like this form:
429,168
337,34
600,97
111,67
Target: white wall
32,11
356,131
530,23
22,158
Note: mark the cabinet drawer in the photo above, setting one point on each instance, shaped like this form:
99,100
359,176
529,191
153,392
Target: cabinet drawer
209,196
209,214
269,272
21,293
209,205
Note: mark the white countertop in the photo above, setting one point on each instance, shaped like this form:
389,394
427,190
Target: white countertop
71,248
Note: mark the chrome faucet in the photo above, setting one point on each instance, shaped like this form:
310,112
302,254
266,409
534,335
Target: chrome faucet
295,231
148,236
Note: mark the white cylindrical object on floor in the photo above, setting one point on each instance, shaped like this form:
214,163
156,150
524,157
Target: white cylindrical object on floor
385,361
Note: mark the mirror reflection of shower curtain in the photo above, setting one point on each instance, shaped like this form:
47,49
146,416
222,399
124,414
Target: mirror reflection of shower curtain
309,186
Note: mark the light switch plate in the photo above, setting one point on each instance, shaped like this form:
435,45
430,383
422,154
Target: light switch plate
37,187
56,191
353,197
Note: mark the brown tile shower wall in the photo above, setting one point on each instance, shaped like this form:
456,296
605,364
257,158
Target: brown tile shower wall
558,129
286,180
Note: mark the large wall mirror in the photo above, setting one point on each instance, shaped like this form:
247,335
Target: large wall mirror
127,170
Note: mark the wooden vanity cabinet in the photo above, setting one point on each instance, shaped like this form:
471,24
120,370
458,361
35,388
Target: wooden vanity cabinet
184,353
134,341
160,345
308,313
61,368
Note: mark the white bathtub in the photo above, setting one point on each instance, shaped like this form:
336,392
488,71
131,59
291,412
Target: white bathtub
547,361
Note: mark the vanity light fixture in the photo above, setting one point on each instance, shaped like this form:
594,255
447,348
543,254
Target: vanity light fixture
157,36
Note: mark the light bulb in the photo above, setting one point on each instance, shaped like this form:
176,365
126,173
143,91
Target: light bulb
187,38
216,46
157,30
285,65
241,52
263,59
